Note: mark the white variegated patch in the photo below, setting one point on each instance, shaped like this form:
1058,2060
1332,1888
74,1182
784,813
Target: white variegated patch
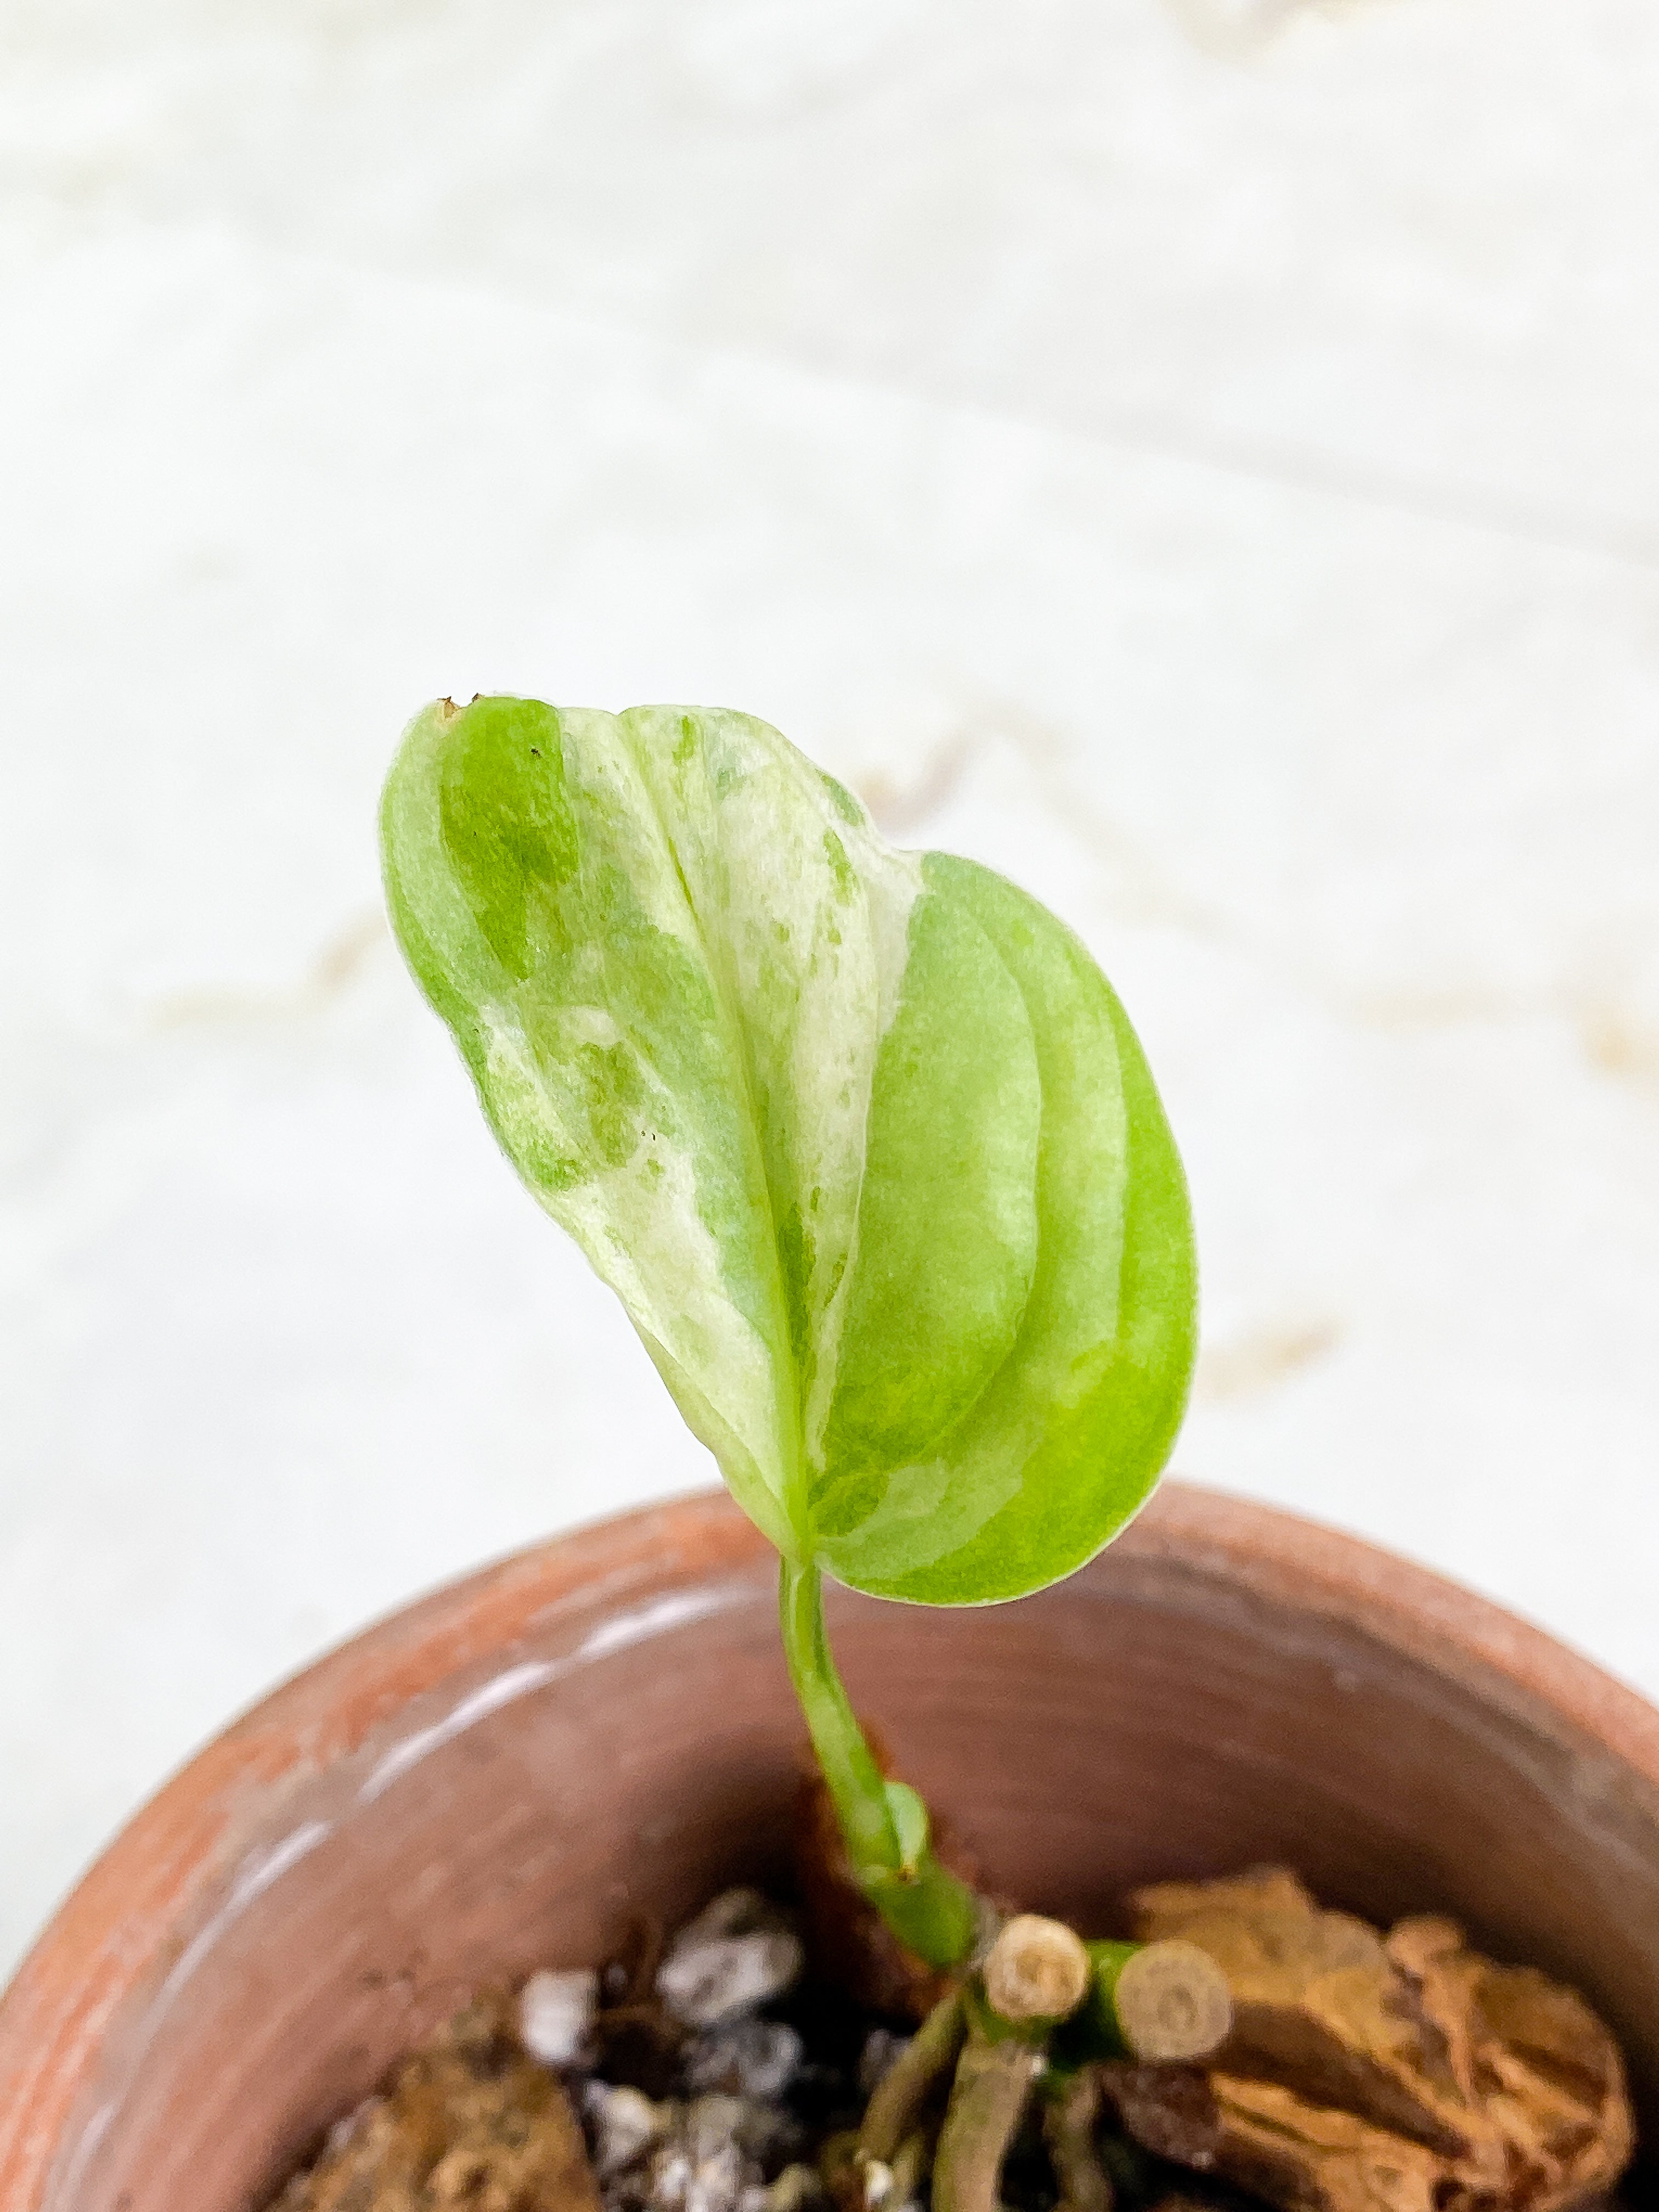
802,911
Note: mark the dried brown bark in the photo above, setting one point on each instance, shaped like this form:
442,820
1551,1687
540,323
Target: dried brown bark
1365,2073
1266,2139
468,2122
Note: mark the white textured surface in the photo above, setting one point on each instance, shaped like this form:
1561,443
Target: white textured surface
1212,476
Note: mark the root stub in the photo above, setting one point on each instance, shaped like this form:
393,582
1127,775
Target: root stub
993,2085
1173,2003
897,2107
1068,2129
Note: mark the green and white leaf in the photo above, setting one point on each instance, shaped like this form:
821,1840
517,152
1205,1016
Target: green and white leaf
861,1139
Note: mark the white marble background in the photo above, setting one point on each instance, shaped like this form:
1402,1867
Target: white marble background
1202,460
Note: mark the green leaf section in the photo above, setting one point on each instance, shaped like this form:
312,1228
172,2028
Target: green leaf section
1071,1432
862,1140
947,1224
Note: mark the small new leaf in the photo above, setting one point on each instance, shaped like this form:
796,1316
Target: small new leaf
862,1138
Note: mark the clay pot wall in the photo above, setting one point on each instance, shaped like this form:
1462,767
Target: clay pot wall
493,1779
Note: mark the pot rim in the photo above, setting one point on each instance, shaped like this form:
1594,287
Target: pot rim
122,1917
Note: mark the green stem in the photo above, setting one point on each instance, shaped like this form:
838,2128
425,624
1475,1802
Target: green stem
849,1764
885,1823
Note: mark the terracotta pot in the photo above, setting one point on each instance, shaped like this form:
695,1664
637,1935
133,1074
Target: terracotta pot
495,1778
